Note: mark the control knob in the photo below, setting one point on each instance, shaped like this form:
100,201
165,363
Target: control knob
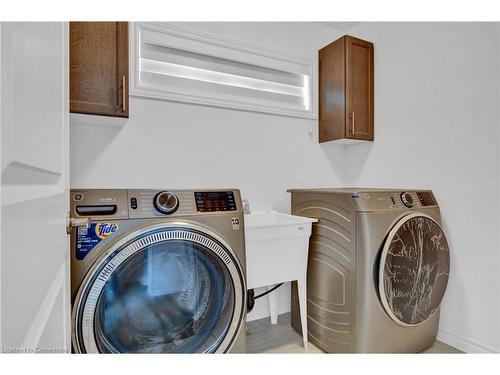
166,202
407,199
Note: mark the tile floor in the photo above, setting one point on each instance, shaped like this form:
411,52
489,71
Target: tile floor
264,337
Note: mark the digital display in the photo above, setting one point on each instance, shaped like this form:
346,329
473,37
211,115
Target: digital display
215,201
426,198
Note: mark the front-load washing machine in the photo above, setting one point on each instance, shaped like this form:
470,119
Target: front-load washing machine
157,271
378,269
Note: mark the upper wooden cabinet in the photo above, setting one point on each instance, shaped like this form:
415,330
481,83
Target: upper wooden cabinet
99,68
346,90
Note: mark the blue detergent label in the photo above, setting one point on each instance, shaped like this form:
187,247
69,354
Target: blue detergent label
88,238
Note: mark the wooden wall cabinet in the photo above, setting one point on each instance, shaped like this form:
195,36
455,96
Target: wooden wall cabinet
346,91
99,68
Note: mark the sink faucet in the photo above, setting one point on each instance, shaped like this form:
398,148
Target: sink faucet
246,206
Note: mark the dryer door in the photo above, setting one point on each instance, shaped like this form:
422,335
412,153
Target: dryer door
166,289
414,269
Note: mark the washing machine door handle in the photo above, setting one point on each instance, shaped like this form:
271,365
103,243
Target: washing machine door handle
72,222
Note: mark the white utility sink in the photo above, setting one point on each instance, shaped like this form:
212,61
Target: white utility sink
274,219
277,247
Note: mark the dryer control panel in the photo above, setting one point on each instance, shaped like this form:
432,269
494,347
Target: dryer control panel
383,200
426,198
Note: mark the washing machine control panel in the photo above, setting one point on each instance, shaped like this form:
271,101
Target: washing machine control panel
215,201
145,203
119,204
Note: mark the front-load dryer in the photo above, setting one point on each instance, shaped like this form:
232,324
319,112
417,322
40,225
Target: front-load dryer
378,269
157,271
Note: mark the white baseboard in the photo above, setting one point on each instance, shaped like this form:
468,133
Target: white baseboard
465,345
263,311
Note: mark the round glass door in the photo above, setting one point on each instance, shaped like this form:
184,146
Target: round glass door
414,270
169,291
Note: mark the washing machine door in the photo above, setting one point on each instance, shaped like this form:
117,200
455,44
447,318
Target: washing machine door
173,288
414,269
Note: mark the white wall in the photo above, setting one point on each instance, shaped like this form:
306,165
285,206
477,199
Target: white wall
176,145
168,144
436,127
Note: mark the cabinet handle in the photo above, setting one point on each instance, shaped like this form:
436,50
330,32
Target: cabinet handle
352,120
124,97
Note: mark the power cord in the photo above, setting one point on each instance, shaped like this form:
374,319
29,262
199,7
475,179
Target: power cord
251,297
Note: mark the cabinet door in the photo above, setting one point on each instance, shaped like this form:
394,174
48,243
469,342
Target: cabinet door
359,89
332,91
99,68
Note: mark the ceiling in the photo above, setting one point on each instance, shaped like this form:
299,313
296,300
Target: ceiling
342,26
